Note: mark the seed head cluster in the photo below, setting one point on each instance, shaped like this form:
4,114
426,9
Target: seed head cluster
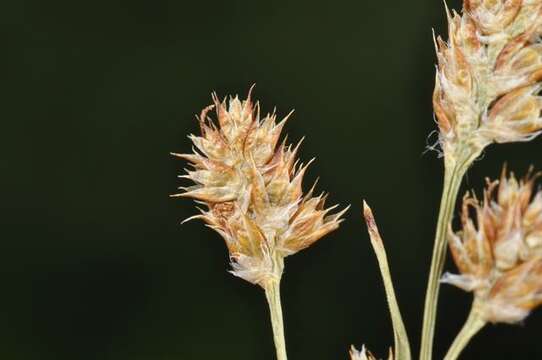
251,187
488,75
499,249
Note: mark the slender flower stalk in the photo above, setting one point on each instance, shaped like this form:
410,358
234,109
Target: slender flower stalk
272,293
452,181
499,255
251,187
486,91
472,326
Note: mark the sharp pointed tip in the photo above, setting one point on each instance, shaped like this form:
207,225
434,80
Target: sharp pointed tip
187,220
366,209
339,215
331,208
250,90
178,155
370,221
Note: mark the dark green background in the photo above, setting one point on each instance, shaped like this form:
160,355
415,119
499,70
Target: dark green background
94,263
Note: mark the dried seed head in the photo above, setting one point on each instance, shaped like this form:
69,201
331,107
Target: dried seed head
360,355
251,186
364,354
488,76
499,249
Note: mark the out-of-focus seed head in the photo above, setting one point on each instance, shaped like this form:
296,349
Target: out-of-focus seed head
499,250
488,76
251,187
364,354
360,354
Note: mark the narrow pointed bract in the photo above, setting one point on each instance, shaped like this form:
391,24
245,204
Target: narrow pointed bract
499,249
401,344
252,187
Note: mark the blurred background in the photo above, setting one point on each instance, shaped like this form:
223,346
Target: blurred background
94,262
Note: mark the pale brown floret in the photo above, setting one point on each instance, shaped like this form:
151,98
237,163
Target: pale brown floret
488,76
499,250
252,188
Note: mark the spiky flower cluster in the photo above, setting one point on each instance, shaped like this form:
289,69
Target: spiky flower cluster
499,253
488,75
252,189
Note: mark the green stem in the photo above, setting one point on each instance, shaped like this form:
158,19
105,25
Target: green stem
472,326
272,293
453,175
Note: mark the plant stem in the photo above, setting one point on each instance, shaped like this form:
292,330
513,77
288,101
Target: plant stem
401,343
453,175
272,293
472,326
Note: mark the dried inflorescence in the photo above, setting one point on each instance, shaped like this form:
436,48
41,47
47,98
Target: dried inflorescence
252,188
488,75
360,354
499,250
364,354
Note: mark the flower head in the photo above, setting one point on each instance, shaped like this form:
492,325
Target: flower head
251,187
499,250
488,75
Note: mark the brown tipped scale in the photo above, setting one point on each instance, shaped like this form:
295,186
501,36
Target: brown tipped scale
499,250
488,76
252,188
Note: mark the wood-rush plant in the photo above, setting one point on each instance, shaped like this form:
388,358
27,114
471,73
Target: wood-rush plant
251,188
487,87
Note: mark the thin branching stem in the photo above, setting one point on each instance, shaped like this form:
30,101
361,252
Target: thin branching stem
453,175
472,326
272,293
